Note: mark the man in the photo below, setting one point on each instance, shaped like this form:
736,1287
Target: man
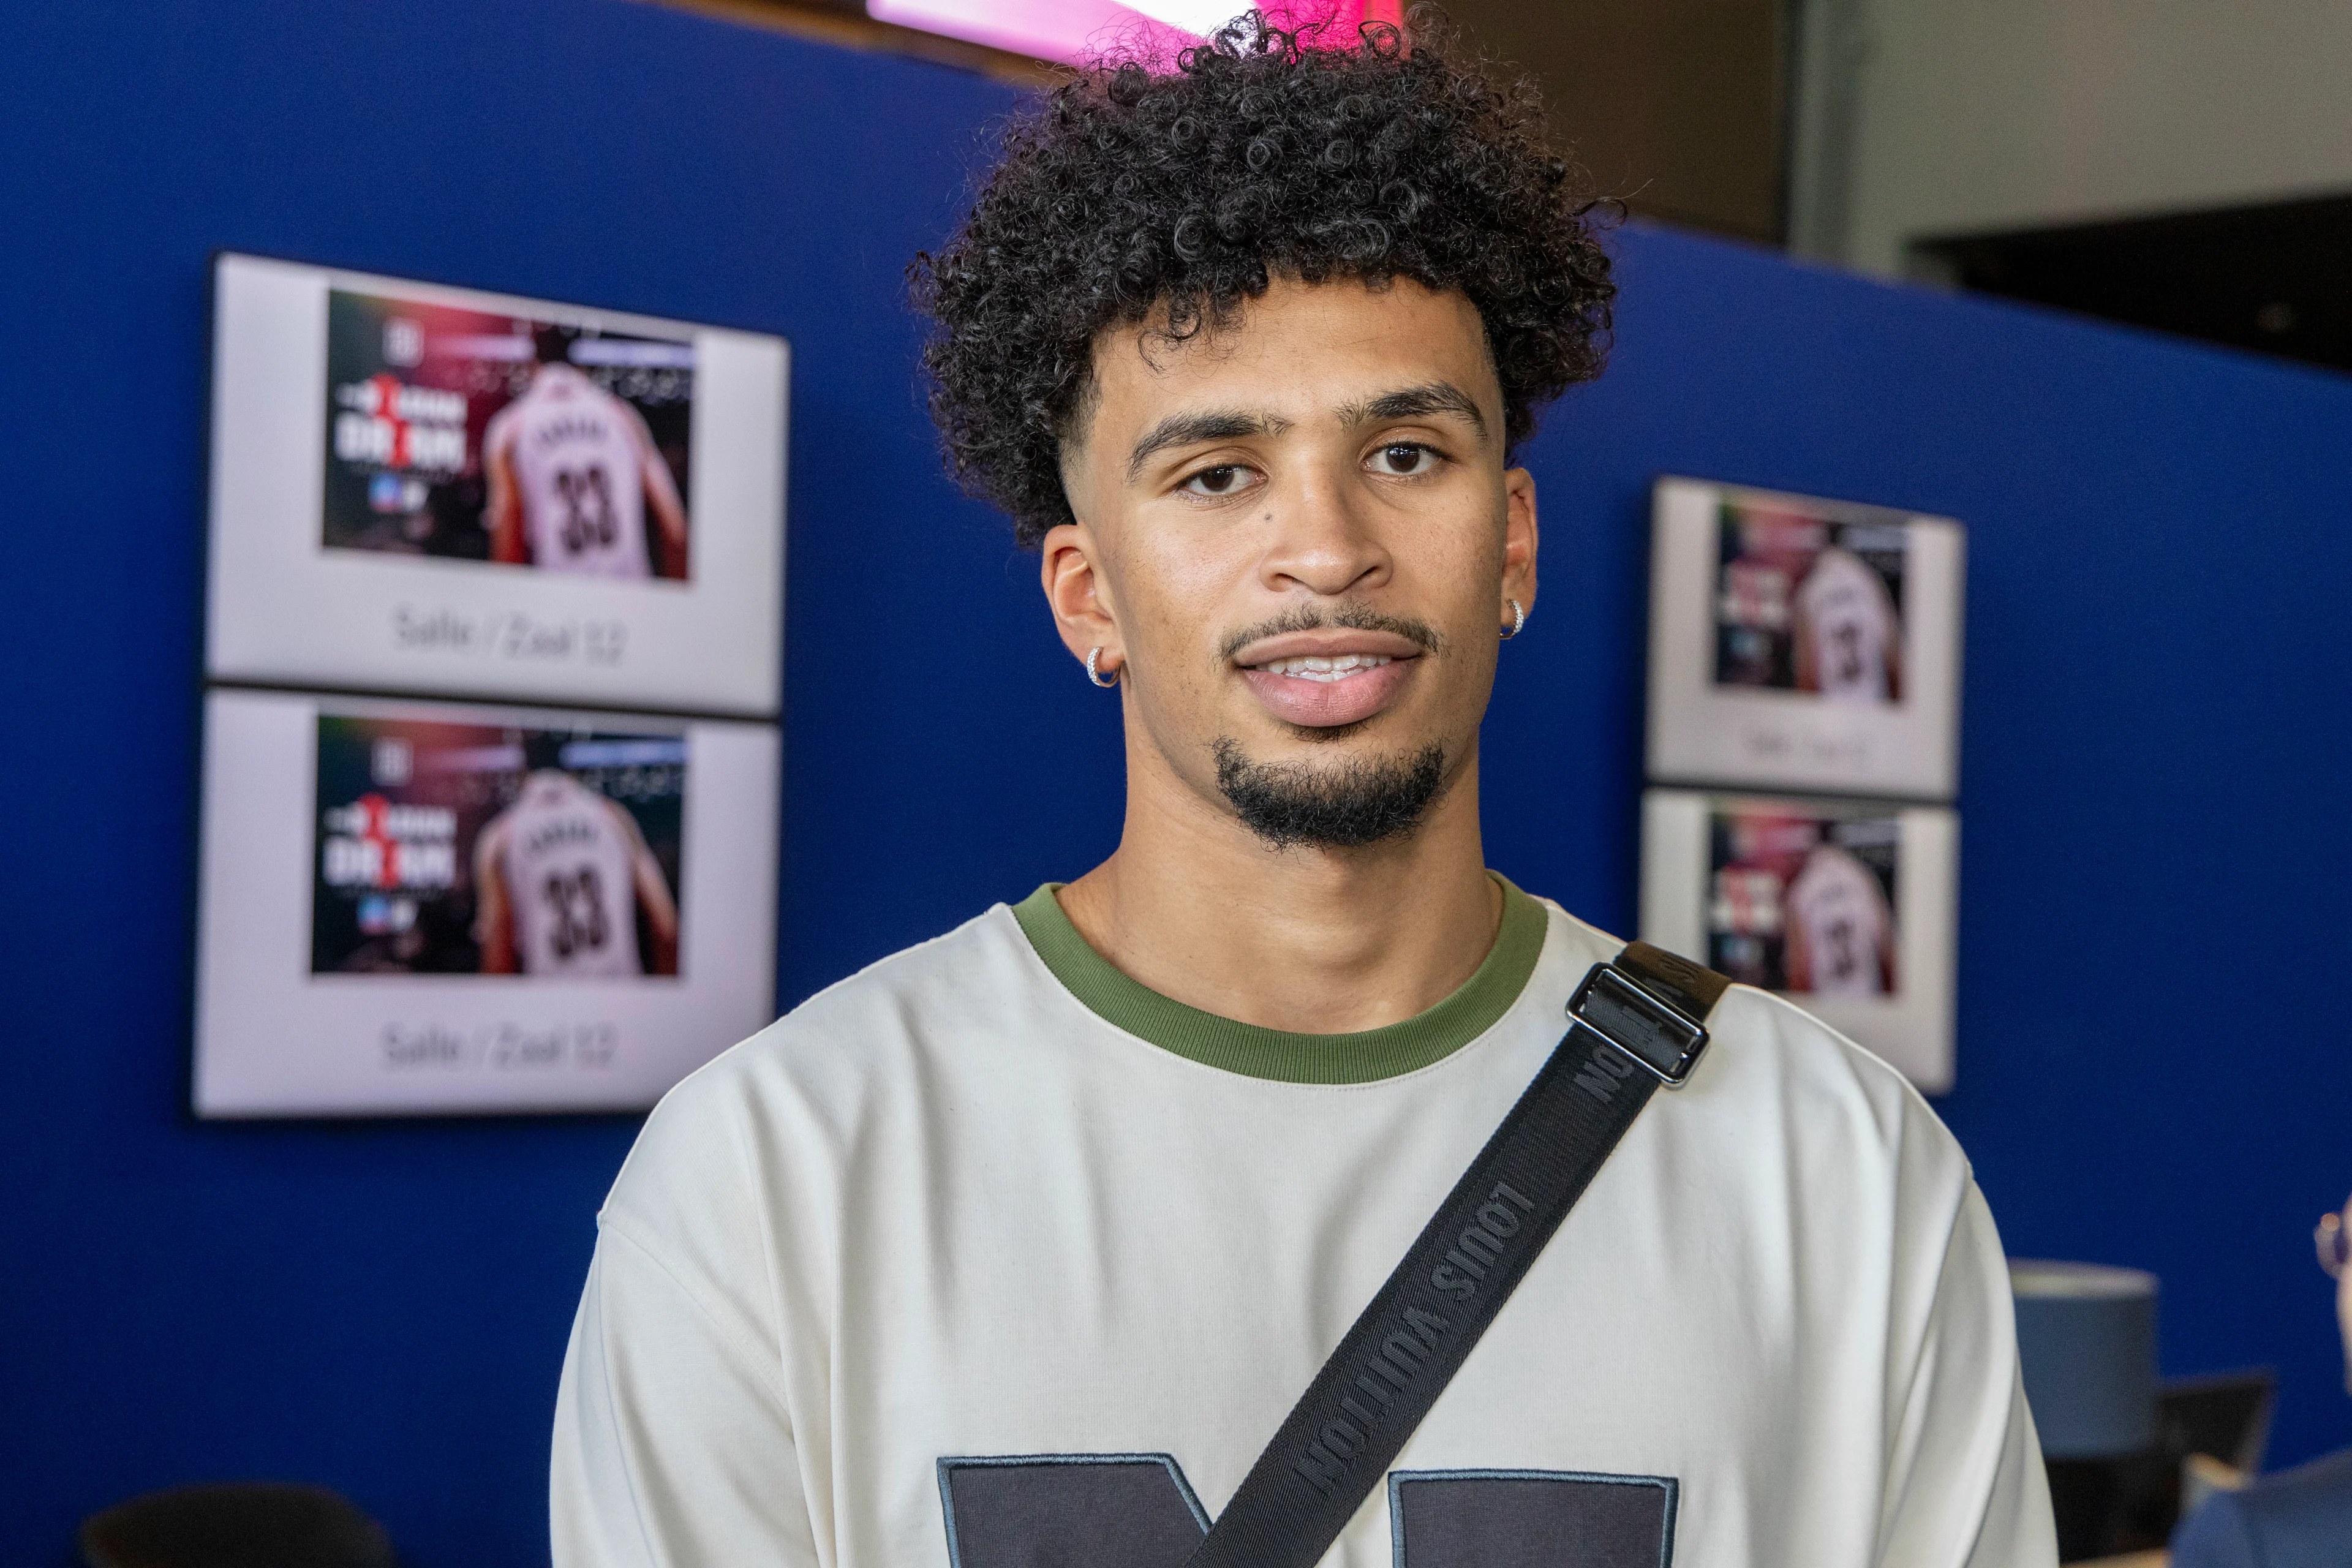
1015,1248
1841,939
2300,1518
572,470
560,876
1849,637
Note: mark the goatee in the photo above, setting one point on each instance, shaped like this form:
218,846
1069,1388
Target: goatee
1338,805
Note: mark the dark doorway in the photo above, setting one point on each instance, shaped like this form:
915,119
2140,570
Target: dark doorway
2276,277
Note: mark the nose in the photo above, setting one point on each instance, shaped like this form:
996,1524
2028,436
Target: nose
1320,539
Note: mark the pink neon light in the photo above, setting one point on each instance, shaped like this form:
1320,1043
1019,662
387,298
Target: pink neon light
1074,32
1069,31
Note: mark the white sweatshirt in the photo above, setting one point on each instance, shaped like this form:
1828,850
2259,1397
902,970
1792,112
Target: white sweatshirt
990,1258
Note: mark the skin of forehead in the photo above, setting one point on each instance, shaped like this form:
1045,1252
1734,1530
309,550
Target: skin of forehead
1138,362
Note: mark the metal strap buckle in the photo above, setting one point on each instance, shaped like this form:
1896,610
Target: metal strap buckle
1658,1034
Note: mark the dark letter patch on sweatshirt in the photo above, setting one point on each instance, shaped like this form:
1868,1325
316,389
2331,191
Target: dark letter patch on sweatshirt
1069,1510
1137,1510
1531,1518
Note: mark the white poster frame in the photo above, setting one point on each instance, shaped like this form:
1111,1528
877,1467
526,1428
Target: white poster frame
1913,1029
273,1039
287,609
1704,733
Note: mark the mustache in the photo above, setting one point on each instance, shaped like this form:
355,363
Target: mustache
1349,616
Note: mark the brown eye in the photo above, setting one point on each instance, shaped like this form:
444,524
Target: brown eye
1218,481
1402,457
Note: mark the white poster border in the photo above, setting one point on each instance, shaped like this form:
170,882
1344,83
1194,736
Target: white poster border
286,609
1704,733
272,1039
1913,1030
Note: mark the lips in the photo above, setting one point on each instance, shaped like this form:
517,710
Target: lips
1314,666
1328,676
1320,704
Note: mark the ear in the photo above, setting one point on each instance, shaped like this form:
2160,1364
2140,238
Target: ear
1518,542
1070,571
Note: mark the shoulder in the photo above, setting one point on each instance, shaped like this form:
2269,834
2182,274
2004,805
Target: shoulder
627,413
984,966
619,815
2327,1478
491,842
852,1028
2288,1519
1761,1032
1779,1083
803,1084
500,430
2215,1536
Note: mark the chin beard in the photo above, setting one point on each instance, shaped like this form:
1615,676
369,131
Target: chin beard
1339,805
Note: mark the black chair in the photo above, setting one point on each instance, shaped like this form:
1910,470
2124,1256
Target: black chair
250,1524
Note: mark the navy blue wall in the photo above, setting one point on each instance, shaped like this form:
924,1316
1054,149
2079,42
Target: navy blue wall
2156,741
2154,854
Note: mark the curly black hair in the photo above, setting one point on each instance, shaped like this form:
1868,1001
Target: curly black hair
1264,152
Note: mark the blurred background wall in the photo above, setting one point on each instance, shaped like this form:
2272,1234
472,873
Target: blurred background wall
2183,167
2154,858
1994,115
1678,107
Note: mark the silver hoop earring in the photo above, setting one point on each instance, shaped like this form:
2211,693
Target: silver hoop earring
1519,620
1093,672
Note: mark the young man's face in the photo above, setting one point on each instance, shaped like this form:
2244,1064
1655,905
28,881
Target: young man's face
1296,540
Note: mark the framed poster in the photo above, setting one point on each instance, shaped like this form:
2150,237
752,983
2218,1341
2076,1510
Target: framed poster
422,488
1802,644
430,907
1845,907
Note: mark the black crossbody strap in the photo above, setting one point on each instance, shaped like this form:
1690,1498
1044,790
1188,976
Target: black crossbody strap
1646,1009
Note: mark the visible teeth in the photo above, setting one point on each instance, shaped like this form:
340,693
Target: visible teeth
1314,666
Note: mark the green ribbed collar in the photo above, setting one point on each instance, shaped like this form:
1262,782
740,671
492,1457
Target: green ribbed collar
1361,1056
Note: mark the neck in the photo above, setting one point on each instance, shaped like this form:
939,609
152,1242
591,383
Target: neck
1313,940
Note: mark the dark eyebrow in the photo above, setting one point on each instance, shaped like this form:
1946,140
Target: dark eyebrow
1412,402
1190,429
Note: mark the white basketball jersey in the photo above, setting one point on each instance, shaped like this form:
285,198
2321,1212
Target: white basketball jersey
568,868
1834,903
578,465
1852,621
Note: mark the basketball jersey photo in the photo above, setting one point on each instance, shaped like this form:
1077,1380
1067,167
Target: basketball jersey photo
578,466
570,872
1853,627
1835,903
